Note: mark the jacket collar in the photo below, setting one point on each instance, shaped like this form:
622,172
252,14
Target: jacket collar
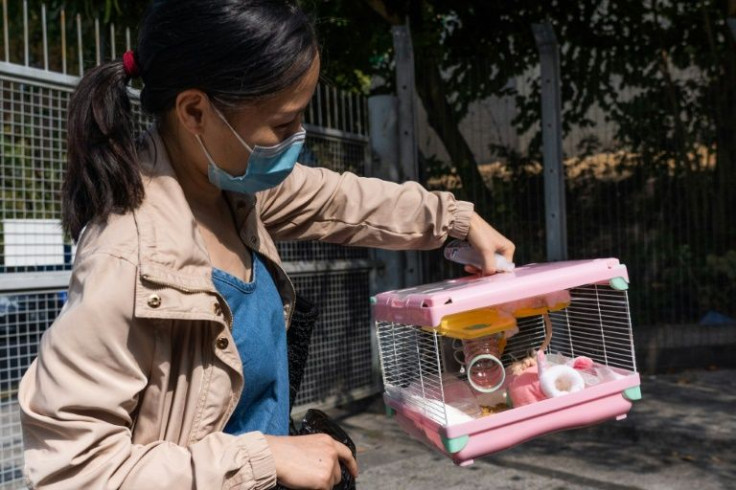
171,248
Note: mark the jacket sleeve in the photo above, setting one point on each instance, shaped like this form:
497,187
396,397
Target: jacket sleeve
78,402
319,204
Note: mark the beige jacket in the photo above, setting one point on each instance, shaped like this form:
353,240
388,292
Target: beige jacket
138,375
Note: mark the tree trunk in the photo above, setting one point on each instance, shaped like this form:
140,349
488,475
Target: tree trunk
725,119
443,119
726,157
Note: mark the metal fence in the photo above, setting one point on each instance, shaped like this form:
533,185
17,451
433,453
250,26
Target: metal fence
631,192
36,258
342,360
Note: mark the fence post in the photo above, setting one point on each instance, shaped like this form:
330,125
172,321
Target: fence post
554,171
407,143
384,134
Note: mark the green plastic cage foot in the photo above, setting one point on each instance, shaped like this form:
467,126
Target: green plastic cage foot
455,444
633,393
619,283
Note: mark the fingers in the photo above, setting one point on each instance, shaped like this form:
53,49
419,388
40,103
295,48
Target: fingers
341,454
310,461
488,266
487,270
336,474
346,456
489,263
330,454
472,270
492,261
488,241
507,250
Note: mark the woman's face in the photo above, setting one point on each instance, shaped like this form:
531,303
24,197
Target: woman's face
265,123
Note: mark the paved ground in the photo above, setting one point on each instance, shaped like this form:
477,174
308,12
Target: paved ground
681,435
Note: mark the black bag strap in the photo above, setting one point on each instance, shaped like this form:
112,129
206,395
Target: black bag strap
298,338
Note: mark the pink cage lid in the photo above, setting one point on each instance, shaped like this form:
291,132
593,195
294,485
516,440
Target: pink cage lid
427,304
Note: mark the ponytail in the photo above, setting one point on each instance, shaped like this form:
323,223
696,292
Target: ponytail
102,164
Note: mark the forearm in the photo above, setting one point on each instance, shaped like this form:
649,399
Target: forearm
351,210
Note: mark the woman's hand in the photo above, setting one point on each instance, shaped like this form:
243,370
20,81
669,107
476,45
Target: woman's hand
311,461
487,242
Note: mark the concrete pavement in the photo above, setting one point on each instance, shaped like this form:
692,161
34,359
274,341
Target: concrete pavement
681,435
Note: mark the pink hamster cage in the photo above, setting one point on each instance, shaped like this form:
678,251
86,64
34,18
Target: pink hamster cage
476,365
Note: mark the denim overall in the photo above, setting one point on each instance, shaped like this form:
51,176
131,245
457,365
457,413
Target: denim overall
260,336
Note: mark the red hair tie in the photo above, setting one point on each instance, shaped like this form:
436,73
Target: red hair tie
129,64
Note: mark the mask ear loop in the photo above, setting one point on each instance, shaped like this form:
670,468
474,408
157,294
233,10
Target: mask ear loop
204,149
222,116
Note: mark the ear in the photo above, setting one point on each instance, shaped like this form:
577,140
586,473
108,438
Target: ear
192,109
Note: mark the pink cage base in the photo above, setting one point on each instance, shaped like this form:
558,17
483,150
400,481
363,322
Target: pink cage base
503,430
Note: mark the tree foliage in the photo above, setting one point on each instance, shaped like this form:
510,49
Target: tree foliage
663,72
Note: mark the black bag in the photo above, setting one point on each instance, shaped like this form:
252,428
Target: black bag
315,421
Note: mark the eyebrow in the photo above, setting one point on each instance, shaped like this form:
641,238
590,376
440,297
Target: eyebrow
281,116
297,111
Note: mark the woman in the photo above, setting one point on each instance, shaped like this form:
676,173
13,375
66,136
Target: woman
166,369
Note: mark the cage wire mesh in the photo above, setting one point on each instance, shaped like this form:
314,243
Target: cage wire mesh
530,337
414,360
413,367
597,325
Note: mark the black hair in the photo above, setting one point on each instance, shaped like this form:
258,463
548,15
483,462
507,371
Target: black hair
236,51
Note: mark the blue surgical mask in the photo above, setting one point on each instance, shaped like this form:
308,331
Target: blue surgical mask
268,166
